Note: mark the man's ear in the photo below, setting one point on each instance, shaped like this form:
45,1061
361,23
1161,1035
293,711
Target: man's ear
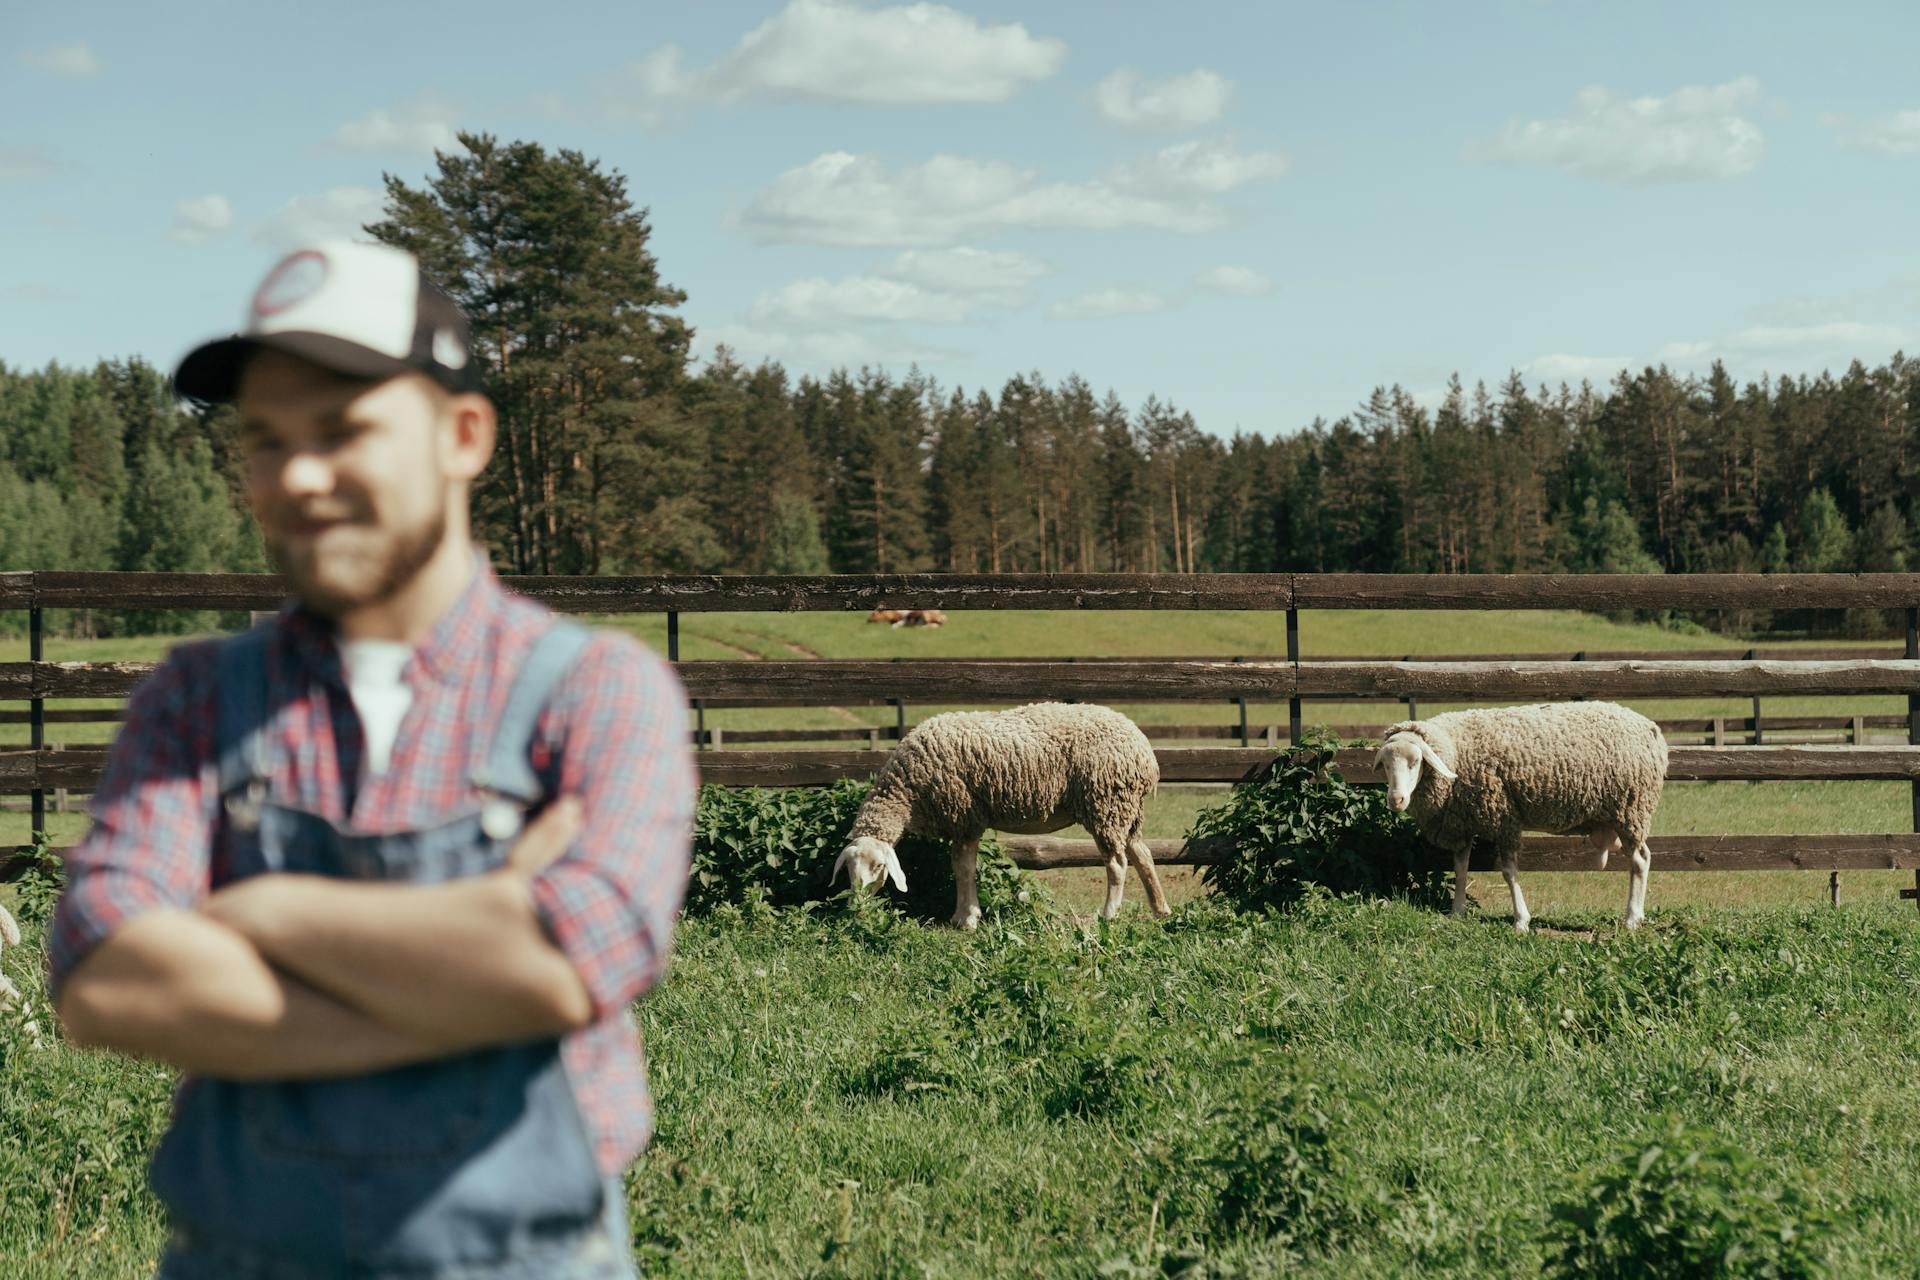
1434,762
469,425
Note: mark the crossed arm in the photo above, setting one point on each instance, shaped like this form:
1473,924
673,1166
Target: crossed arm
284,976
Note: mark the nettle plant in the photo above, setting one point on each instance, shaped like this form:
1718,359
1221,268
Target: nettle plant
779,846
1689,1204
1297,823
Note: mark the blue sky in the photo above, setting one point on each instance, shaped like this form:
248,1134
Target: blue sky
1256,210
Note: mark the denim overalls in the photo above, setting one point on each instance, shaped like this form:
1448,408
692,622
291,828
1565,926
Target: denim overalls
478,1166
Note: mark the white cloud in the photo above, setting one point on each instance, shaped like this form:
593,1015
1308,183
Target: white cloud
855,299
1239,282
817,349
1836,340
420,127
966,271
1180,102
843,199
334,214
69,61
1203,168
24,164
1102,303
1897,134
1570,368
833,51
201,218
1692,134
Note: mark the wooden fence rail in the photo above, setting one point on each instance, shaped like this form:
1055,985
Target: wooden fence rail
823,682
844,592
79,768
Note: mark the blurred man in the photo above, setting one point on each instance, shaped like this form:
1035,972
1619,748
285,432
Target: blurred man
384,873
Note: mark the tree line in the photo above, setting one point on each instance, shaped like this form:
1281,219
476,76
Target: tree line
618,454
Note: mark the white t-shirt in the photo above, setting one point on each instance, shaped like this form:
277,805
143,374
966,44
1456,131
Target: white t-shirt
372,669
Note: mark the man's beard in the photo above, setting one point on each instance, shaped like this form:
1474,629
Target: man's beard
336,582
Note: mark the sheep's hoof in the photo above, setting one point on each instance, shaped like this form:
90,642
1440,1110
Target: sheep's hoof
1523,926
968,921
1633,922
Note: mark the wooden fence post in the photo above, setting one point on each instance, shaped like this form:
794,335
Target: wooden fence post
700,723
673,636
1758,737
37,707
1243,720
1719,731
1913,716
1293,656
1857,731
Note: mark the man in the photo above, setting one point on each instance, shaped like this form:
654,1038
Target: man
383,874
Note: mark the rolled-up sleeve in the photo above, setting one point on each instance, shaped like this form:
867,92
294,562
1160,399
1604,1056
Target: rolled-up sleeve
610,901
151,838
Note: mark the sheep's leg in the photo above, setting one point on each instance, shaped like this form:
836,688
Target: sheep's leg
966,883
1460,859
1510,868
1607,842
1637,885
1149,877
1115,849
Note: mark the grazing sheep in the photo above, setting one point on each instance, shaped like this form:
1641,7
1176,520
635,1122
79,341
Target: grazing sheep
1571,768
10,994
1031,770
885,615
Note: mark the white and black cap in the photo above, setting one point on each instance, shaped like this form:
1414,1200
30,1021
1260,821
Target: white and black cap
365,310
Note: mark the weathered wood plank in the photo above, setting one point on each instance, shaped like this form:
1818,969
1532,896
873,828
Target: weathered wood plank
16,589
1544,853
822,681
229,592
1561,853
1599,591
1557,680
820,766
1043,591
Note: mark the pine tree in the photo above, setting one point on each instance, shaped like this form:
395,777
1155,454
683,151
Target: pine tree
598,466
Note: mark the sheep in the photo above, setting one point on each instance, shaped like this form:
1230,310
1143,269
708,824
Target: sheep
1030,770
1573,768
10,994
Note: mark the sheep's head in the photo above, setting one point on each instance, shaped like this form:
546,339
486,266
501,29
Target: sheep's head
1401,758
868,861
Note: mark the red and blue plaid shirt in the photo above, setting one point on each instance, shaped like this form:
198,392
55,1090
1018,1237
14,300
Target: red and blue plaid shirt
616,728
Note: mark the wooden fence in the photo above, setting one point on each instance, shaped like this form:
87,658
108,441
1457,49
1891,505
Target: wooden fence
1292,678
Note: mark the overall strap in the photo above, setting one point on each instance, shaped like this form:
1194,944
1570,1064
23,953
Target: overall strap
507,769
240,735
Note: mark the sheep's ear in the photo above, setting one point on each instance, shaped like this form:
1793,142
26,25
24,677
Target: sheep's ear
8,929
1434,762
895,872
839,865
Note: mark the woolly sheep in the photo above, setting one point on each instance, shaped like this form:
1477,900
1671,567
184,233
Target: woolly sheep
1030,770
1573,768
10,994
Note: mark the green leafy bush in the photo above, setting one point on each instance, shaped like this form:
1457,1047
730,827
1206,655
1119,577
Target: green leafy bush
781,845
1690,1206
1297,823
1273,1160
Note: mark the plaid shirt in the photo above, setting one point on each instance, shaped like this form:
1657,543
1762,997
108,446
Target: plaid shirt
614,734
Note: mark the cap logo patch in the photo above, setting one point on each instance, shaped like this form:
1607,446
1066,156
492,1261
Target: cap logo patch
296,279
448,349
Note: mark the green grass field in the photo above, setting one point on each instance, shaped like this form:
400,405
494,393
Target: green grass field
854,1096
851,1095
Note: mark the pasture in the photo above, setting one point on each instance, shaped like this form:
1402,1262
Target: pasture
1350,1089
849,1094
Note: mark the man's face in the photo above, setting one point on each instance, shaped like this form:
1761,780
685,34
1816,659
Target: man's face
348,479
